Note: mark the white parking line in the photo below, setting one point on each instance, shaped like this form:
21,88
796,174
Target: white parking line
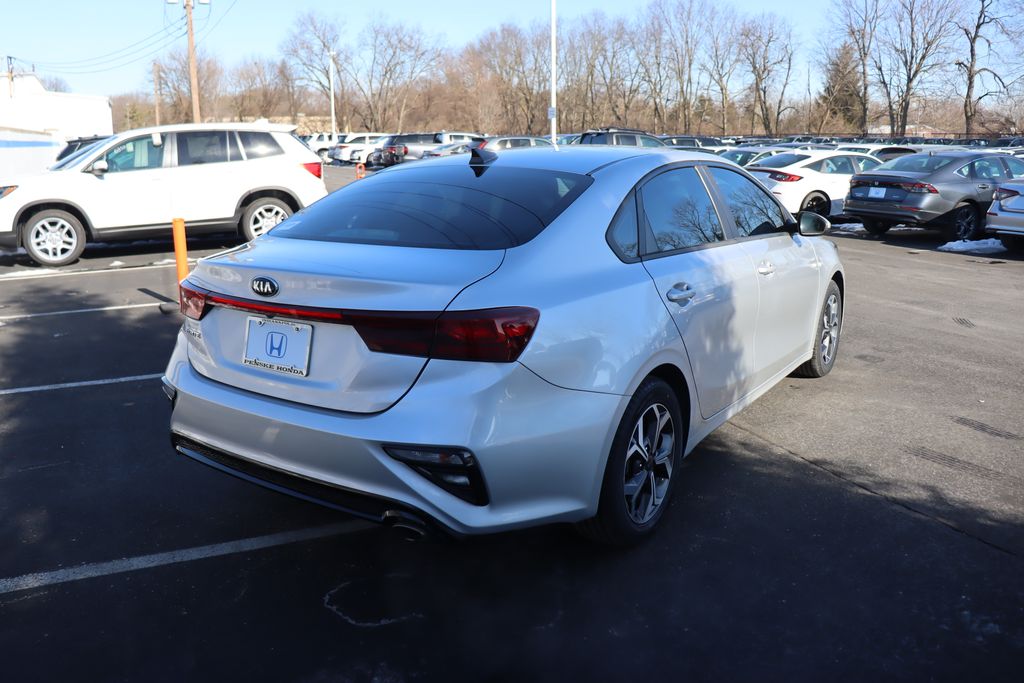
25,316
75,385
131,564
18,277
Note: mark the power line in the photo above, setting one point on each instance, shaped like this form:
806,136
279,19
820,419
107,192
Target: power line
126,60
216,23
116,55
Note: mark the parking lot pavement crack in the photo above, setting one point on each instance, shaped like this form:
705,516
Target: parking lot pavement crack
838,474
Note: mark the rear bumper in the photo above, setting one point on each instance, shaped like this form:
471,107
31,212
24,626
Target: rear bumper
1005,223
907,214
541,448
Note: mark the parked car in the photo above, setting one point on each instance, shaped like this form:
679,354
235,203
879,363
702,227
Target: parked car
321,143
619,136
748,156
415,144
75,144
390,152
218,177
811,180
713,145
359,153
572,388
950,190
342,152
500,142
880,152
447,150
1005,217
568,139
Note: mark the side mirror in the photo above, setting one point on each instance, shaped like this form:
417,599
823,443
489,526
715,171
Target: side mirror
99,167
157,139
810,224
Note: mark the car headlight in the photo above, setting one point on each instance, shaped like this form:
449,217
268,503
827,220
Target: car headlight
6,190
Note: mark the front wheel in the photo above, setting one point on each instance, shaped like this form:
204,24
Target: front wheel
826,337
638,477
53,238
262,215
876,227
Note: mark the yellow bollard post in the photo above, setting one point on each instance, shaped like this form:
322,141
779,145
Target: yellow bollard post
180,247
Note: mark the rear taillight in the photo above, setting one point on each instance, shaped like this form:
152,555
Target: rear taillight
482,144
780,177
405,150
919,188
191,300
315,167
497,335
1004,193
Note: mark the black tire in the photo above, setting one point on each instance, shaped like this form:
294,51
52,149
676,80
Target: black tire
270,206
324,157
1011,242
53,221
818,203
830,323
965,223
613,523
875,227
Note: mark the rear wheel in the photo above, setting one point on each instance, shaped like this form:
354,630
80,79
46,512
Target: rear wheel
965,223
324,156
262,215
818,203
826,338
53,237
876,227
638,478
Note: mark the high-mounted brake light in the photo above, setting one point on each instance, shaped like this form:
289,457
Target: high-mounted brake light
780,177
496,335
315,167
1004,193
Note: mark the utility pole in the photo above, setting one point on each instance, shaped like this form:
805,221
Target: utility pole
10,76
156,91
193,73
334,119
553,109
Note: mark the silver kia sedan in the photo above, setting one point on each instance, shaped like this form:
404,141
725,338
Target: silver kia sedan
493,341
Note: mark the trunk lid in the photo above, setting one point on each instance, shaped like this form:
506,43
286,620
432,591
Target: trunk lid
341,372
884,186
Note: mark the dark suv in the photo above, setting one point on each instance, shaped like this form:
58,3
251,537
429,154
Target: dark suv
619,136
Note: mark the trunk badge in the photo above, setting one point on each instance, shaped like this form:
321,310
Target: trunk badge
265,286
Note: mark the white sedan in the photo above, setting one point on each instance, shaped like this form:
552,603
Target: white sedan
812,179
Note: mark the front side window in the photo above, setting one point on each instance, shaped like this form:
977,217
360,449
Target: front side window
137,154
626,140
648,141
518,142
987,169
754,212
678,213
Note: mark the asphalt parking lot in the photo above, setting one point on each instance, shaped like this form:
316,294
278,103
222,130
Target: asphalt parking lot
866,526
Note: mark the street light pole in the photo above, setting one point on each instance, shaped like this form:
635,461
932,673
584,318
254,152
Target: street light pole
193,73
553,109
334,120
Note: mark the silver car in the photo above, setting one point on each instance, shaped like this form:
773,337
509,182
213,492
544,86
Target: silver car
1006,214
494,341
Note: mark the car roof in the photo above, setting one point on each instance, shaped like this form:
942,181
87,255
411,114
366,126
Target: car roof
186,127
582,159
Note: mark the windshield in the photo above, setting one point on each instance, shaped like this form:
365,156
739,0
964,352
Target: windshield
446,207
780,160
916,163
73,159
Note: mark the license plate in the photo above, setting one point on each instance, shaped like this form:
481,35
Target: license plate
277,345
876,192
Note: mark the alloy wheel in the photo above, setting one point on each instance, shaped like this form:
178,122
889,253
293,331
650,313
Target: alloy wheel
648,468
830,330
53,238
266,217
966,220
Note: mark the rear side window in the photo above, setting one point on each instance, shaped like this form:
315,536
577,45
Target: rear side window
865,164
623,233
1016,167
626,140
446,207
258,144
754,212
678,212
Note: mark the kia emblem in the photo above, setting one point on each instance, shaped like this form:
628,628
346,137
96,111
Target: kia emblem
265,286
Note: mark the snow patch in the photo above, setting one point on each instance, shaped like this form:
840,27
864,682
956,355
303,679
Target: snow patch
848,227
27,273
989,246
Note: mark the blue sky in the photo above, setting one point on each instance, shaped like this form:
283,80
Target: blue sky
106,46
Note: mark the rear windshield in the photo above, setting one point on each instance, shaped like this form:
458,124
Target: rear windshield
780,160
919,163
440,207
739,157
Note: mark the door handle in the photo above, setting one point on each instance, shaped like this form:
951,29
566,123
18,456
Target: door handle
766,268
983,186
680,293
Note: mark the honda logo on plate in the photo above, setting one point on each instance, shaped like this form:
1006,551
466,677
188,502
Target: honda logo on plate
277,344
265,286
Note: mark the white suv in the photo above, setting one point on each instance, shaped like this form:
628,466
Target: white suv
218,177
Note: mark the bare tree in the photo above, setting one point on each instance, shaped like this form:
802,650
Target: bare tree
858,22
724,57
914,37
176,85
975,29
687,29
309,49
767,50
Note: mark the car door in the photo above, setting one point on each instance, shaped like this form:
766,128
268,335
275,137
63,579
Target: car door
707,284
209,176
133,192
836,173
787,272
986,174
